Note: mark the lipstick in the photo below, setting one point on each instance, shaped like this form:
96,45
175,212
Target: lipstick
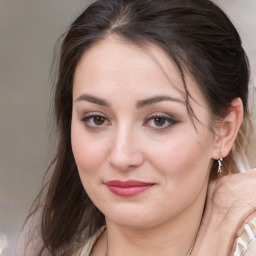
127,188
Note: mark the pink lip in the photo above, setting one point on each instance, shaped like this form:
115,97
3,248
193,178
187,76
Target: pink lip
128,188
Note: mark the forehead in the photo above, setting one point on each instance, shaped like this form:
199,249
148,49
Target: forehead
115,63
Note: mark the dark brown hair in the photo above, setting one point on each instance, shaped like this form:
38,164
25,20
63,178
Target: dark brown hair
196,35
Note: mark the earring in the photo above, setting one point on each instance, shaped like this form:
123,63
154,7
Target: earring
220,164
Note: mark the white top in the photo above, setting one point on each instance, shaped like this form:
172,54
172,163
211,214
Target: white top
246,243
86,250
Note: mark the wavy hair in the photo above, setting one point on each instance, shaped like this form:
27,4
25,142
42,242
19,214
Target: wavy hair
196,34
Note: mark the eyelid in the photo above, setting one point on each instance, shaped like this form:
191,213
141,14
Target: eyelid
160,114
169,118
93,113
90,115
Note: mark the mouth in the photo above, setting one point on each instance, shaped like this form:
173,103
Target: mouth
128,188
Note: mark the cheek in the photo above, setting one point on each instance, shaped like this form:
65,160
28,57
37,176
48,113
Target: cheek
183,157
89,153
183,165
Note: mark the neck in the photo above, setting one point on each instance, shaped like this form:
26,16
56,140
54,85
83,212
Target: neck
150,244
173,237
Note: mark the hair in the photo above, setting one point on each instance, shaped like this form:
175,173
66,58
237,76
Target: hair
200,39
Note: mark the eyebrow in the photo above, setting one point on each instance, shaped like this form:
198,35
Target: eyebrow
156,99
93,99
139,104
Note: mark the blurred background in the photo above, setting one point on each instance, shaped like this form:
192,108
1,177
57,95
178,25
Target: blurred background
29,30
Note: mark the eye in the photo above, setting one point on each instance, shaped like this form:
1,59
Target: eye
98,120
160,121
95,121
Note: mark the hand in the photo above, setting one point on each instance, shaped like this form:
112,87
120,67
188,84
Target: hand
230,203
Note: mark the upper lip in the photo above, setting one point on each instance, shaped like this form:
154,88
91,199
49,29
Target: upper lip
128,183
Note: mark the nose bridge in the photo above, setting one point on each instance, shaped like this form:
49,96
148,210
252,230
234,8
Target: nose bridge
125,151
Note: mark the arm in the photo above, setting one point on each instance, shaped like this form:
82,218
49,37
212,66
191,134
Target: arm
231,203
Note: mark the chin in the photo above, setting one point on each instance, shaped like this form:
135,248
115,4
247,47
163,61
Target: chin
136,218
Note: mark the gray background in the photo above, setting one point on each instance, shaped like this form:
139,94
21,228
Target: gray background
28,32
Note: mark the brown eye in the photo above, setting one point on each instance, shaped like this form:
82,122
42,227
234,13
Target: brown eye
95,121
159,121
98,120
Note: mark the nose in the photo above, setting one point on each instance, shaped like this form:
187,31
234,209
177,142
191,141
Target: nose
125,150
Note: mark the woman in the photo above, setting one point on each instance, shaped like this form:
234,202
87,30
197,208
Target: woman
149,100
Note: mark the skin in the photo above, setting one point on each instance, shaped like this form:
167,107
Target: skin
231,203
236,191
127,141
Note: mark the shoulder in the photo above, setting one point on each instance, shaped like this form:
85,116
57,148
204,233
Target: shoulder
29,239
88,245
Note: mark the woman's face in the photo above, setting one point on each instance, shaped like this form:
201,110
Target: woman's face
139,156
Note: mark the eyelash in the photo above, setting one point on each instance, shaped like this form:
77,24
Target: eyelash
168,121
87,120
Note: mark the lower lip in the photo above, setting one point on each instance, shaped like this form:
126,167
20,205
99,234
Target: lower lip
128,191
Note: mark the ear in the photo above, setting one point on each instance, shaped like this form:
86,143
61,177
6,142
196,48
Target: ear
226,132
